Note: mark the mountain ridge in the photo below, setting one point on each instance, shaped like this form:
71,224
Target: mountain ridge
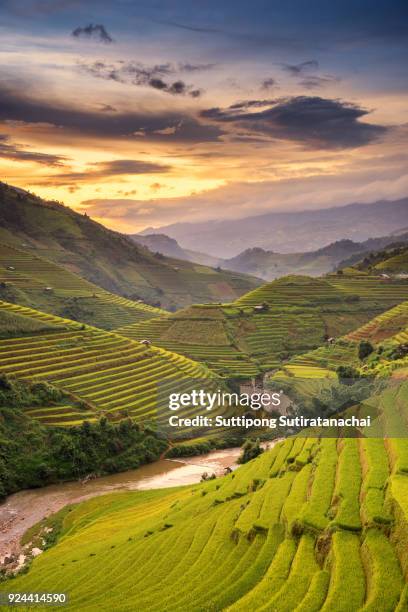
286,231
107,258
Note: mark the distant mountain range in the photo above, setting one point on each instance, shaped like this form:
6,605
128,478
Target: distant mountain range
160,243
109,259
270,265
290,232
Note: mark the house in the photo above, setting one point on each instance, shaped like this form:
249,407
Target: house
146,342
261,307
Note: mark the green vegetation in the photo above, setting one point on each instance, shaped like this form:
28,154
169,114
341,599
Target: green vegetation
267,326
312,524
116,377
312,379
365,348
272,557
30,280
391,260
32,455
109,259
250,450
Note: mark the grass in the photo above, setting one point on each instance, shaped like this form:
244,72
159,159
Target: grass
347,487
383,569
374,462
314,515
347,585
33,281
110,259
238,340
117,377
243,519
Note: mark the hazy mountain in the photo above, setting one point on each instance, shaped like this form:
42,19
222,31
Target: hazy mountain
391,258
270,265
160,243
110,259
289,232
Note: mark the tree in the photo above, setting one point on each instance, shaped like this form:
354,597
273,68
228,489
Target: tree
347,374
365,348
250,450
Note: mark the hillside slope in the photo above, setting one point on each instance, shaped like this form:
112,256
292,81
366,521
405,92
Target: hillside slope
283,232
393,261
36,282
317,523
368,358
109,259
113,376
270,265
268,325
288,527
34,454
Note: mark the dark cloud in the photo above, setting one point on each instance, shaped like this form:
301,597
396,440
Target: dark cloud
268,83
177,88
309,81
252,104
316,122
187,67
163,126
297,70
315,82
104,170
18,152
95,31
129,166
135,73
107,108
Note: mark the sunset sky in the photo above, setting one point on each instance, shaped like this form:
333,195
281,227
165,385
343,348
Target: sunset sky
144,113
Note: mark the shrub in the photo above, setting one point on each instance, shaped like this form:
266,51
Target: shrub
250,450
365,349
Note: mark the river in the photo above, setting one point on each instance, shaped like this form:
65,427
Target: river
24,509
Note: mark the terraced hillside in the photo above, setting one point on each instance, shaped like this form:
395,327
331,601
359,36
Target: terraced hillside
109,259
269,325
310,525
358,289
392,261
34,281
386,337
116,377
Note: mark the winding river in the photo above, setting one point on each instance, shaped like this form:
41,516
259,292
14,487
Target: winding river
24,509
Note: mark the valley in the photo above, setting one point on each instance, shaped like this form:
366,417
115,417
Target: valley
107,258
284,542
86,375
203,306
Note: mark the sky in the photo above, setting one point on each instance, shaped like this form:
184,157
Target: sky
145,113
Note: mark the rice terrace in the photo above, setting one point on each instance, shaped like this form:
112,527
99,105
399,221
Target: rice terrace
293,525
203,306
